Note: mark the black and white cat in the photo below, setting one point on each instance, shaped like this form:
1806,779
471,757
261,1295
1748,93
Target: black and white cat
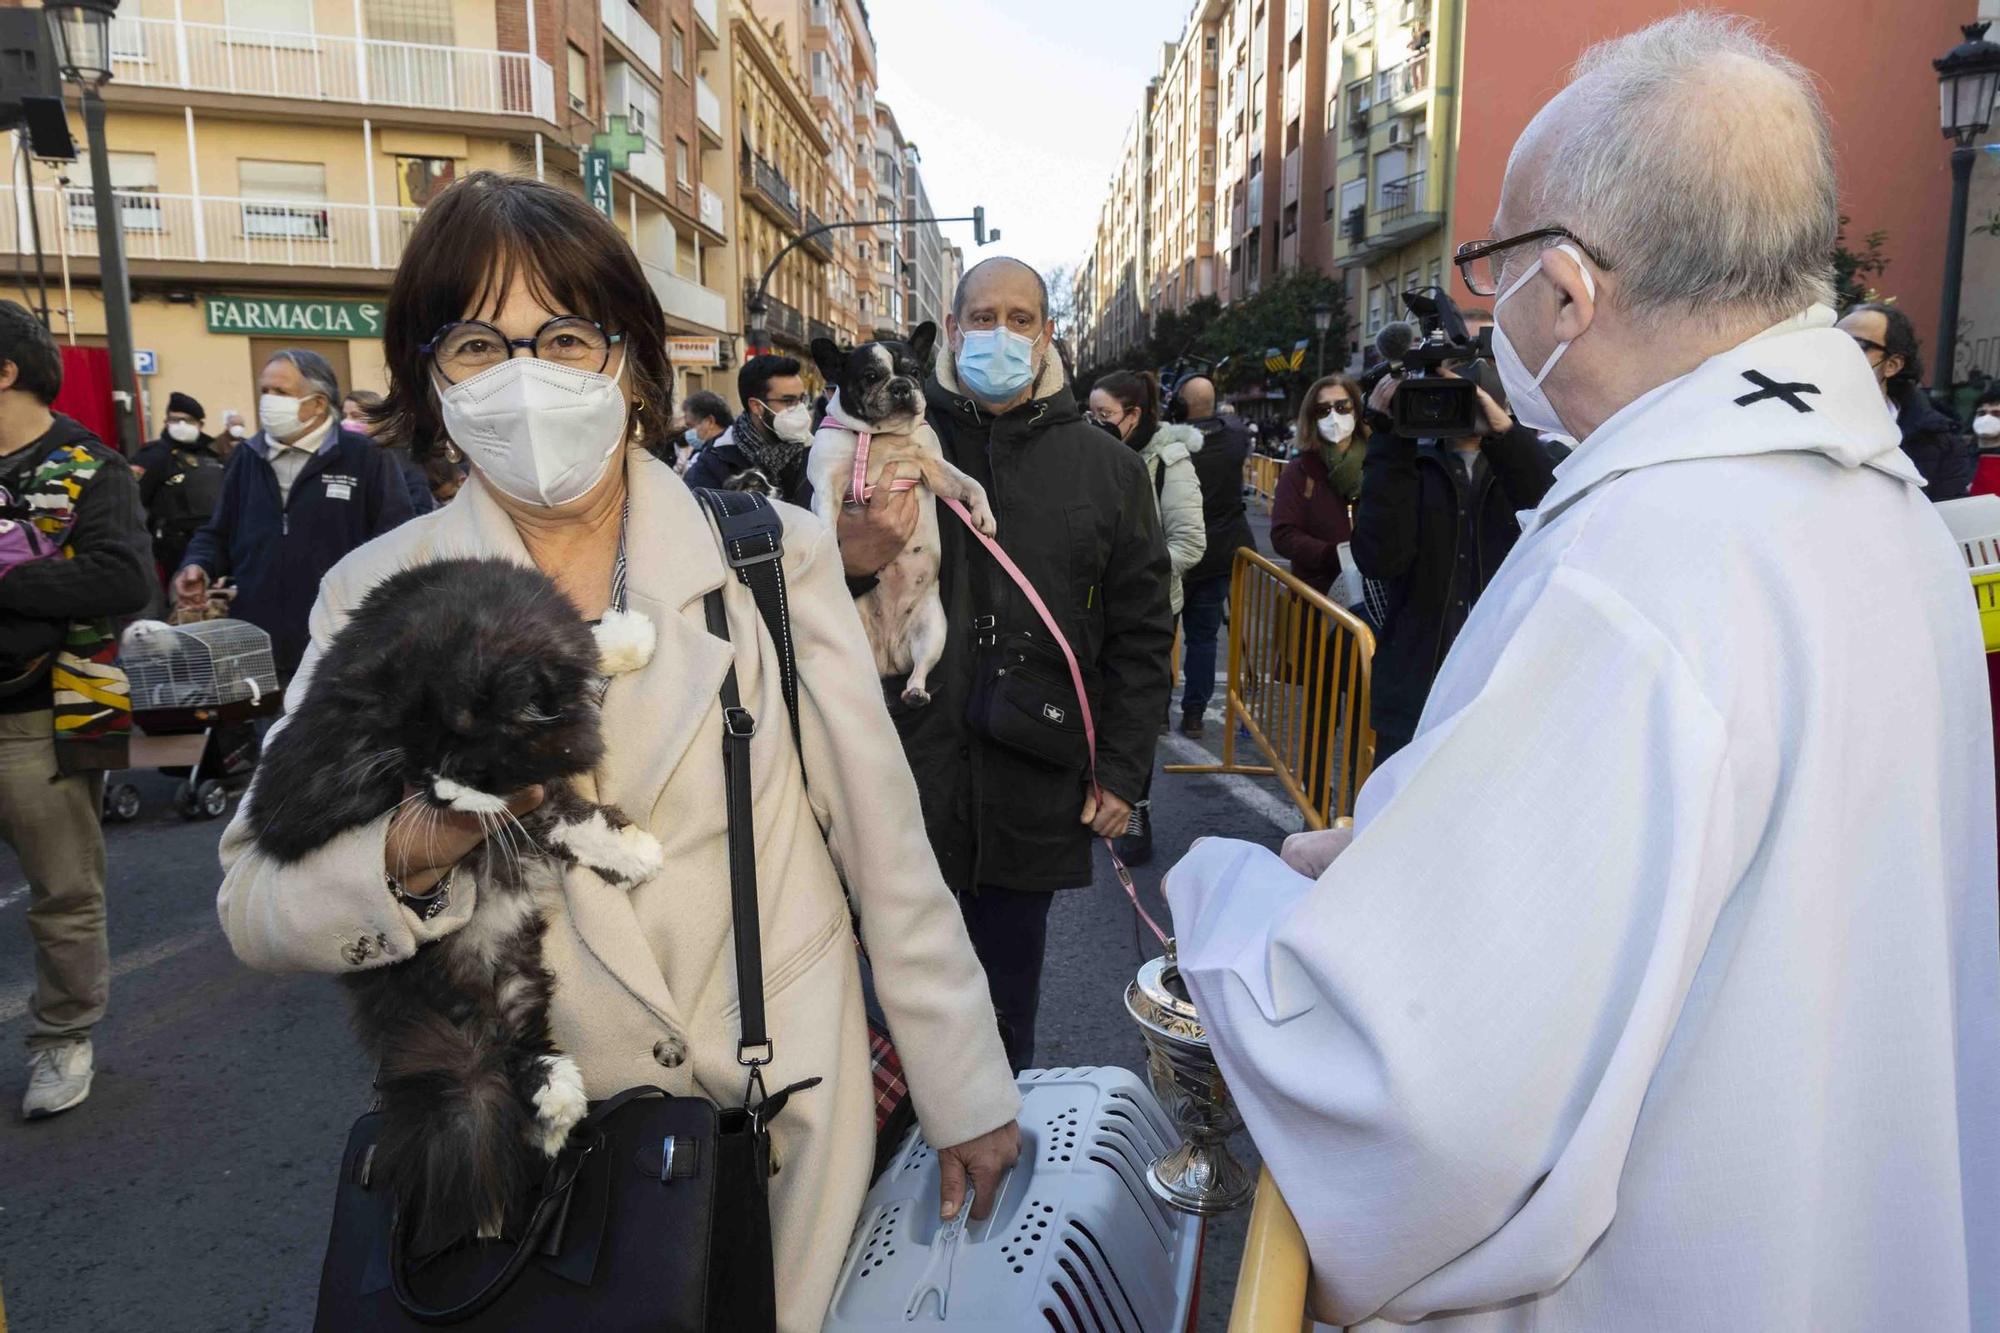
453,685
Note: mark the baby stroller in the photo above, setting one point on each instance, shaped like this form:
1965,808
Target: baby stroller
197,691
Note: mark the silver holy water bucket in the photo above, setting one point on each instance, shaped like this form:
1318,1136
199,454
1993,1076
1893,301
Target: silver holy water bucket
1200,1176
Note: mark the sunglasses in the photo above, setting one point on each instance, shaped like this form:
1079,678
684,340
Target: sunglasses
1868,345
1320,410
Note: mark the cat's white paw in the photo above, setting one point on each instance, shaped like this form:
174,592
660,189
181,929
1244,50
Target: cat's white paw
561,1104
625,642
627,854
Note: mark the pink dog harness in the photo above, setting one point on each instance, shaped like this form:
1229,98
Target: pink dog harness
862,492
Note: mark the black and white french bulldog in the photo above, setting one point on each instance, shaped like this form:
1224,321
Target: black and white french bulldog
877,390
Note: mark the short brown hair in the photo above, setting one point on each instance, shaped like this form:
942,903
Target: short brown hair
1307,438
463,255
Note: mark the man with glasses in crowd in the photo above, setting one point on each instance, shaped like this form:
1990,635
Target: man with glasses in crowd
1935,442
1656,986
307,493
764,449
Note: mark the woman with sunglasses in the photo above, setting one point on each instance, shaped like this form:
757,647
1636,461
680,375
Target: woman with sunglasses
1310,509
521,329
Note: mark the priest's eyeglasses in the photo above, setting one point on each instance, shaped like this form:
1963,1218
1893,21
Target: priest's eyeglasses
1479,261
464,349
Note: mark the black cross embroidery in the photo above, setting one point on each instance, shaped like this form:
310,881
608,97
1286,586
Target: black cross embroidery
1770,388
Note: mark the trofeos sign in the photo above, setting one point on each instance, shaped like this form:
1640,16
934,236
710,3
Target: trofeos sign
292,317
692,351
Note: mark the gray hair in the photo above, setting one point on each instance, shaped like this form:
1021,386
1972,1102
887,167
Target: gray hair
1698,162
314,369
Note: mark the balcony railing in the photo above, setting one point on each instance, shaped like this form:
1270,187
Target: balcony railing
208,57
821,244
1358,99
1399,81
207,228
623,22
819,328
687,300
712,215
780,318
707,107
768,183
1401,199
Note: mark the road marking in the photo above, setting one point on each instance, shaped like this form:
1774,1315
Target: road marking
14,1001
1244,790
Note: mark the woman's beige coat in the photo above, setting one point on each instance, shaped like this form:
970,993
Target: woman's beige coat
646,984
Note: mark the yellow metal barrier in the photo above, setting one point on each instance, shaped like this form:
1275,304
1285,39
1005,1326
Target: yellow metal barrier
1300,670
1260,474
1271,1284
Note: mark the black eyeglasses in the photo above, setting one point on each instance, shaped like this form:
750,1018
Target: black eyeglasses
1868,345
1479,264
466,348
1320,410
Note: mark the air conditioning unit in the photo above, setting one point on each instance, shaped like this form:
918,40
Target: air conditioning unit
1398,133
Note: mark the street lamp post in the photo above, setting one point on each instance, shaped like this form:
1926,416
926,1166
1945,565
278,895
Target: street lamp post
1322,321
757,335
81,30
1967,78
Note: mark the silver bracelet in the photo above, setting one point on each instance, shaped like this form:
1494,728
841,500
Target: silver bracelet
426,905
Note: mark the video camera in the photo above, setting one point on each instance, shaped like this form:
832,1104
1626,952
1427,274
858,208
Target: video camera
1429,405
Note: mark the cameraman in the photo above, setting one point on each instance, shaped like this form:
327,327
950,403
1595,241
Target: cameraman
1435,519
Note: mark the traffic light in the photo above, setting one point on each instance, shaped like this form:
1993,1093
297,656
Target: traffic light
981,236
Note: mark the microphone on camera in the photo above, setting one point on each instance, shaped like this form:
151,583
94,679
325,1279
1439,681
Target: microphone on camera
1395,340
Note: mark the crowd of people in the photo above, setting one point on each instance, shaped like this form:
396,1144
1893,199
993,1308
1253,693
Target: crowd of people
1656,984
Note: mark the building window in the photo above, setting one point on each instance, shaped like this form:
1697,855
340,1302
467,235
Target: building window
418,179
1291,219
136,184
1353,195
579,82
677,49
279,199
1329,203
268,16
681,163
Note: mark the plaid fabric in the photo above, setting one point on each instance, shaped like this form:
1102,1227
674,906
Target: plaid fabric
891,1091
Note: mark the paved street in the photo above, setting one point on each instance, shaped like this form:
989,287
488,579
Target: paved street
191,1192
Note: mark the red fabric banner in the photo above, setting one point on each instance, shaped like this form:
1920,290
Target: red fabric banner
86,391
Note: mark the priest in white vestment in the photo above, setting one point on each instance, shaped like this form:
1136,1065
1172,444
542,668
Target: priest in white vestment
1658,988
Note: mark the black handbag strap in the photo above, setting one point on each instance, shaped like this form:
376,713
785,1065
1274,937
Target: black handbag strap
738,726
753,542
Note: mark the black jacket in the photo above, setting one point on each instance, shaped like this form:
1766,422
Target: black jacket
110,572
1219,466
1076,513
1941,448
1434,540
723,460
277,549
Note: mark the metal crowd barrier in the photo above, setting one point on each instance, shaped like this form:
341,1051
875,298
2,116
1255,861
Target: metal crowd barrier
1260,474
1300,669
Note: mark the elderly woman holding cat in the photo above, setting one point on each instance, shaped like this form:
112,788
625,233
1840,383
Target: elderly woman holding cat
645,992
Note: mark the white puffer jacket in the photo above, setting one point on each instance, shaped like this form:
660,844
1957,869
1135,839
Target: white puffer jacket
1169,454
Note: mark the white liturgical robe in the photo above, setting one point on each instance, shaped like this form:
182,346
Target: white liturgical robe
1658,989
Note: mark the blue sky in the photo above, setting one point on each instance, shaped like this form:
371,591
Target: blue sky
1019,106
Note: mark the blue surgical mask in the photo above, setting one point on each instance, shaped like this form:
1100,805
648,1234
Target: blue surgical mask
692,437
995,364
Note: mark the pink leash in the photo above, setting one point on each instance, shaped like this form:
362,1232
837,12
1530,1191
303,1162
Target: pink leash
1082,698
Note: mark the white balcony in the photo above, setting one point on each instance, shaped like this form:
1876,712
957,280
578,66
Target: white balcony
687,300
208,57
650,168
711,211
623,22
212,229
707,107
705,14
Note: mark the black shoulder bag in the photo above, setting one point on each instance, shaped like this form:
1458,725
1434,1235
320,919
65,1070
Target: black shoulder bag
657,1215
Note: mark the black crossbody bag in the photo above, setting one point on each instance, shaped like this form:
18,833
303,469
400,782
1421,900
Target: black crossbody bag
657,1215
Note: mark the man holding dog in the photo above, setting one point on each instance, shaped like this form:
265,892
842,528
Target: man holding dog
1008,801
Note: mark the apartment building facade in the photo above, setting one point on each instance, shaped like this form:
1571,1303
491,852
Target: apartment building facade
886,250
781,175
1181,184
270,157
926,254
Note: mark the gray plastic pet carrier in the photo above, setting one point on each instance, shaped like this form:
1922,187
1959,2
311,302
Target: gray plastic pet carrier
1077,1243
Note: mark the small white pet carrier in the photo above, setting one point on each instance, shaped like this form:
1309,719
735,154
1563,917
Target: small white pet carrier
204,665
1076,1244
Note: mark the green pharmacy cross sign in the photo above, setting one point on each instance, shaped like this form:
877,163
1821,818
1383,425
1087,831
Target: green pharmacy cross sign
618,141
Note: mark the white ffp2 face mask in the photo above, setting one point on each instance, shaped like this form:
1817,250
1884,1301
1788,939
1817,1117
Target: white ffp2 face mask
1986,425
1530,405
794,424
542,434
278,414
183,432
1335,427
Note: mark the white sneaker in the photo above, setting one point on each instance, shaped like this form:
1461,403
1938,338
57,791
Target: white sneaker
58,1078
